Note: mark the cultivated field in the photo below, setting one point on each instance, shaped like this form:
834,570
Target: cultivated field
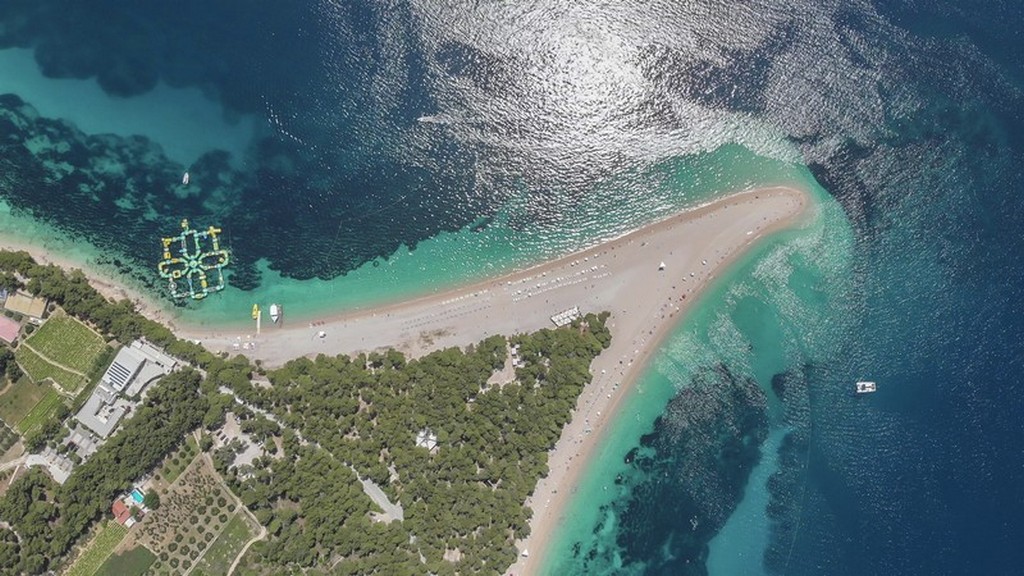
222,553
66,341
134,562
40,369
98,550
20,398
177,461
192,514
40,413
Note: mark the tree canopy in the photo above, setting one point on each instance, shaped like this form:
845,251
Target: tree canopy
364,412
326,423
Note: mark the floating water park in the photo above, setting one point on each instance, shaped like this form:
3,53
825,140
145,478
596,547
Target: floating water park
193,262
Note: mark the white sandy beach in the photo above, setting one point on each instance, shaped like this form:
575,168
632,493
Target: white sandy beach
621,276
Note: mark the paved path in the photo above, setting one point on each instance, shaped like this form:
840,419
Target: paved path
14,463
253,540
392,511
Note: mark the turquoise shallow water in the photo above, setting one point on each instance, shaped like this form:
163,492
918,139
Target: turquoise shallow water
755,320
184,121
471,254
482,249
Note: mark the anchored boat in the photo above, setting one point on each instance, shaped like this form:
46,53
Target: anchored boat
275,312
865,387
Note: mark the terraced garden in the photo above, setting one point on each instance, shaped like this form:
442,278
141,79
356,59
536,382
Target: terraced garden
178,460
66,341
193,512
134,562
39,369
98,550
41,413
20,398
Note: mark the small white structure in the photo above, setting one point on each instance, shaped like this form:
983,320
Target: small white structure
661,267
426,439
565,318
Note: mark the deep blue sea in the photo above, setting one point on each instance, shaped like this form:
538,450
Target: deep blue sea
334,138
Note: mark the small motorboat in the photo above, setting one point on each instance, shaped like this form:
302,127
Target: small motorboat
184,179
275,312
865,387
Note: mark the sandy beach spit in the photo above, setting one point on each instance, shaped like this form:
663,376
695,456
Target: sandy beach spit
624,276
646,279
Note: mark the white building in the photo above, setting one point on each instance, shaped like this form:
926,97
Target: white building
101,412
134,368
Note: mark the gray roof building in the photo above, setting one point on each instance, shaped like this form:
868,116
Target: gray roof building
154,365
132,370
123,369
99,414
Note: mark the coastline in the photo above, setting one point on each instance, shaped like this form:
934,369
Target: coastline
106,284
599,404
621,275
511,302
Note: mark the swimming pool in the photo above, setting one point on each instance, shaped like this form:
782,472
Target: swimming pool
137,496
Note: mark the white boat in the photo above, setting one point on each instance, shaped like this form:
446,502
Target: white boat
184,179
865,387
275,312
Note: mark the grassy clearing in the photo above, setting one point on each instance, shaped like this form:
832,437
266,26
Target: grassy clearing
222,553
98,550
40,413
134,562
18,400
66,341
39,369
8,438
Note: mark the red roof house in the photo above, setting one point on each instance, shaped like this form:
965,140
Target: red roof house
121,512
8,329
